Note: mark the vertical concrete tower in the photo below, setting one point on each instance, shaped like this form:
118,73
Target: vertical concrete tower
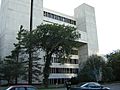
86,23
13,14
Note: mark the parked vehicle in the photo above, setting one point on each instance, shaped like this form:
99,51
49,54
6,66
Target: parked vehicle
21,87
91,86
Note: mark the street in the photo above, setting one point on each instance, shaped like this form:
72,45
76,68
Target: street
114,86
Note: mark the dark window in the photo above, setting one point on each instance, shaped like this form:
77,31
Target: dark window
74,52
52,16
60,18
74,22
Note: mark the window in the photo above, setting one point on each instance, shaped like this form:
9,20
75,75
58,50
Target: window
64,70
44,58
74,52
60,18
52,16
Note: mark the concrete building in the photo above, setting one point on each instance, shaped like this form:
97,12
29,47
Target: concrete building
14,13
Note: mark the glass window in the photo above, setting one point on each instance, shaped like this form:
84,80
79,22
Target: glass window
86,85
52,16
49,14
74,22
60,18
74,52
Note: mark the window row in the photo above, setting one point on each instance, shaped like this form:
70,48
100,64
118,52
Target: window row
60,18
69,61
56,81
74,52
64,70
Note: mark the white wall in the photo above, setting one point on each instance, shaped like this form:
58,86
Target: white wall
14,14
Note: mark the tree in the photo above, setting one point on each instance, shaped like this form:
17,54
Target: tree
18,61
55,39
52,39
1,74
13,62
114,63
10,69
107,74
26,44
93,68
17,53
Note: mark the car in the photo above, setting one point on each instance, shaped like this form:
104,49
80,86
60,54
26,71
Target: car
91,86
21,87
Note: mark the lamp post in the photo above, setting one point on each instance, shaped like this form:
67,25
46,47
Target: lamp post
30,47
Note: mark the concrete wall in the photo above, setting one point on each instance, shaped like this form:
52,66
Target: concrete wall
85,18
16,13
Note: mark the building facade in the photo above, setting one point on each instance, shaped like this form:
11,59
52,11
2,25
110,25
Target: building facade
14,13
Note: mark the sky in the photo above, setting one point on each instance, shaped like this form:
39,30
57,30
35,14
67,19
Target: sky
107,19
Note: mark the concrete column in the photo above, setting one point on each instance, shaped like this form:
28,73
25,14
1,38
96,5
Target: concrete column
85,22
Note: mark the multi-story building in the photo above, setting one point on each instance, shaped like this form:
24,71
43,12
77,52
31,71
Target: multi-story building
14,13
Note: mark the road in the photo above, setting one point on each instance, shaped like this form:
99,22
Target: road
114,86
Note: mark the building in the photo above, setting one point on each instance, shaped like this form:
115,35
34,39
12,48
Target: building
14,13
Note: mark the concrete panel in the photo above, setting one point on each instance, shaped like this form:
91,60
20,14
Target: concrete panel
85,18
16,13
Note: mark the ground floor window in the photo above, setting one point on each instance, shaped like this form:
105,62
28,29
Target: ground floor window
64,70
58,81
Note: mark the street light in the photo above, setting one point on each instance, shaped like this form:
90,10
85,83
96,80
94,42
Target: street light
30,52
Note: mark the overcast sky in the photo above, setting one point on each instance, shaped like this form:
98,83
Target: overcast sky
107,19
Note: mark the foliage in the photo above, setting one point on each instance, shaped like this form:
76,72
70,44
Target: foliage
18,61
74,80
10,69
92,70
114,63
25,42
1,65
14,63
55,39
107,74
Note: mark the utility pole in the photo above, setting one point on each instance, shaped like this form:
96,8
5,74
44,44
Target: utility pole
30,47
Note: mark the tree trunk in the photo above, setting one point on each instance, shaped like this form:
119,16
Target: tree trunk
30,70
16,78
46,70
